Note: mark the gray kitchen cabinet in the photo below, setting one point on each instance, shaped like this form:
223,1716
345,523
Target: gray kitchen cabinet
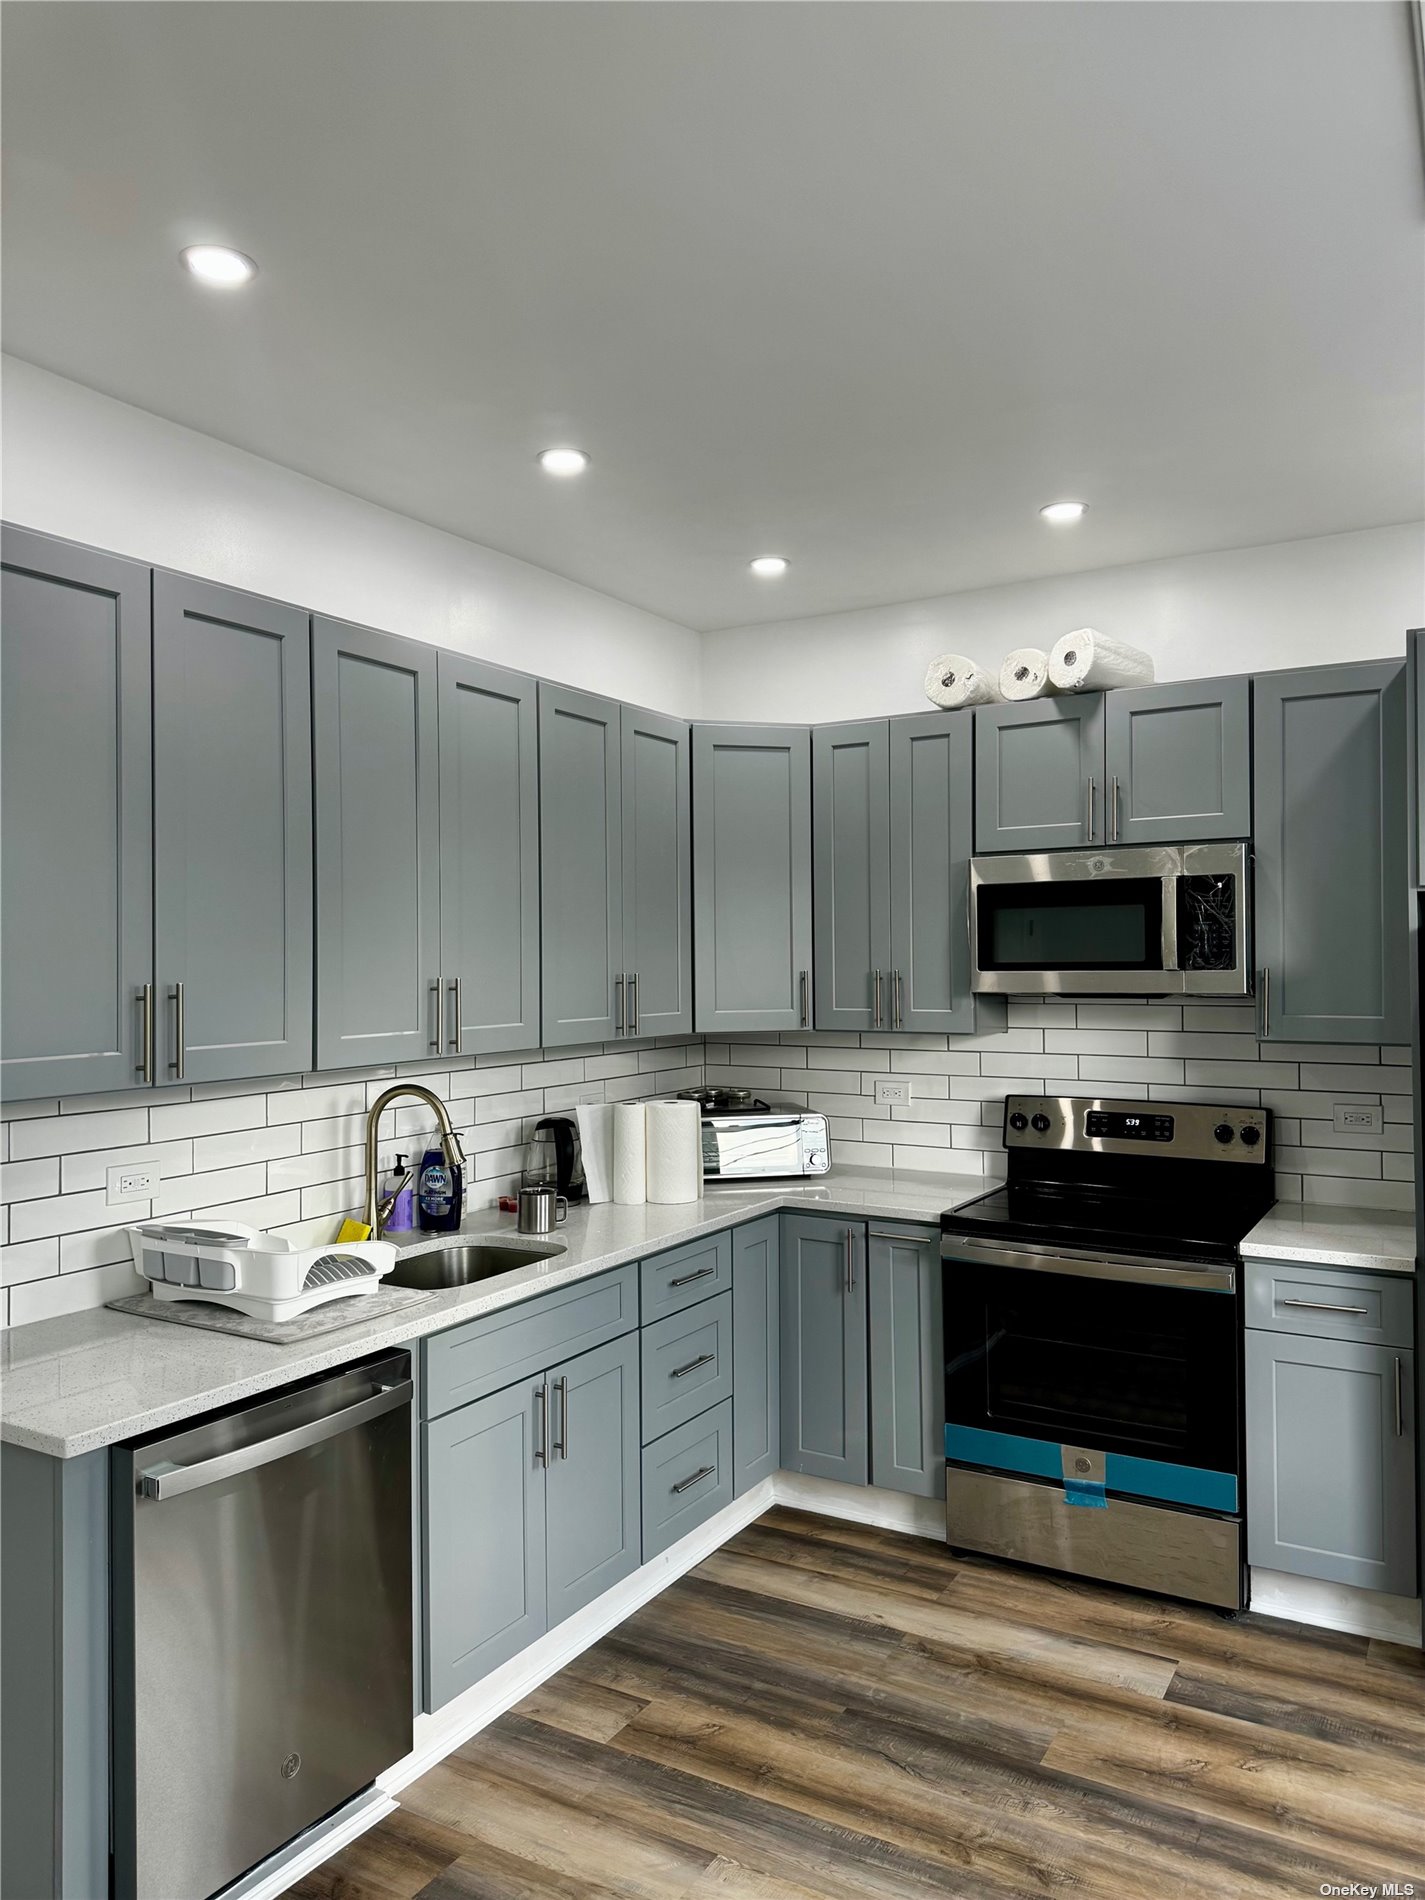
756,1353
1331,1460
374,724
752,871
851,875
823,1347
484,1557
1178,762
907,1359
581,866
1039,774
76,908
931,840
687,1478
686,1364
657,857
1415,659
489,857
1331,915
232,829
593,1522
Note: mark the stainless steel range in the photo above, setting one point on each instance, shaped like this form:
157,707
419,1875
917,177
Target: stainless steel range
1093,1342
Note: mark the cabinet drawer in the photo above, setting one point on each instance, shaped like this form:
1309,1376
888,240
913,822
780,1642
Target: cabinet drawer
671,1281
470,1361
1329,1302
687,1365
687,1478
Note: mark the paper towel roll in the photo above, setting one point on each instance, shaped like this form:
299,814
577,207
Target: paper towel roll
675,1139
1084,659
1024,674
630,1154
953,681
596,1149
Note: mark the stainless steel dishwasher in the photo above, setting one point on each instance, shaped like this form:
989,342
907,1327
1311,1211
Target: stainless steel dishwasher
262,1625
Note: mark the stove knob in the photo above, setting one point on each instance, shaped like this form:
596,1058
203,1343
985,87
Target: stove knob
1040,1124
1224,1132
1018,1122
1251,1136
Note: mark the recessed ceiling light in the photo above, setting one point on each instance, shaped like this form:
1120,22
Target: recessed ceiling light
216,264
1065,511
768,566
563,461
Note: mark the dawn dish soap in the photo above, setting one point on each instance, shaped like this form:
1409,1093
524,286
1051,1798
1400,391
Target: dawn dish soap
439,1193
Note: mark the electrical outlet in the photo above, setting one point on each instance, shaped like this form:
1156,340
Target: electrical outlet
138,1181
1357,1118
591,1092
894,1094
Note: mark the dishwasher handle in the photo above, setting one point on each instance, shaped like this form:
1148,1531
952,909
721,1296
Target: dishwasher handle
171,1481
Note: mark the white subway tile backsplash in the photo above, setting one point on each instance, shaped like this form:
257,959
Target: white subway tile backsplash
79,1172
310,1105
72,1293
29,1180
1096,1042
217,1117
245,1144
72,1134
100,1247
59,1214
29,1260
1386,1078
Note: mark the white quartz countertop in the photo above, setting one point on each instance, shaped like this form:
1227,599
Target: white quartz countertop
74,1384
1372,1237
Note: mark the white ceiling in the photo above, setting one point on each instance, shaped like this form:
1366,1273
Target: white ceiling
860,284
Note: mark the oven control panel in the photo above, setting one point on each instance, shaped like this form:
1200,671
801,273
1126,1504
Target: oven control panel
1195,1131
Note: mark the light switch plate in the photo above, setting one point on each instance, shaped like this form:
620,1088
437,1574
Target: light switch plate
131,1181
1357,1118
894,1094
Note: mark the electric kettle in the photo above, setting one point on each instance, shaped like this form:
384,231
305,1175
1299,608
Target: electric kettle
552,1158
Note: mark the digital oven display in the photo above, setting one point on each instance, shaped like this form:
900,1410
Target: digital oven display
1114,1125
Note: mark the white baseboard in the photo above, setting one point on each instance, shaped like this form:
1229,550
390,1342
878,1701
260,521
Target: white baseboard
273,1877
1337,1606
863,1504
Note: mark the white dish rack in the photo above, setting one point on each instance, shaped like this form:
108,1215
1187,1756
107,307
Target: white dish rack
260,1274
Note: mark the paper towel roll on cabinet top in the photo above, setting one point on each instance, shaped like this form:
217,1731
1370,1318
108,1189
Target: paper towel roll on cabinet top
1085,661
953,681
1024,674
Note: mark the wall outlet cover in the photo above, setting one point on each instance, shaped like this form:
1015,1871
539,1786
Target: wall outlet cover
131,1181
1357,1118
895,1094
591,1092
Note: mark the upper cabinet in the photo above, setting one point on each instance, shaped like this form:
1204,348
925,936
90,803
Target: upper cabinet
752,866
1143,765
1331,856
78,839
232,821
1415,652
616,871
892,827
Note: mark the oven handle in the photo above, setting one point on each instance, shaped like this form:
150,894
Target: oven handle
1092,1266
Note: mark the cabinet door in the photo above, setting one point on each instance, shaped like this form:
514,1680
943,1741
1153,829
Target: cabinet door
1039,774
77,906
656,813
1415,651
484,1556
756,1353
378,847
823,1346
850,829
752,877
593,1516
232,828
489,857
1331,1460
907,1360
932,837
580,866
1178,760
1332,919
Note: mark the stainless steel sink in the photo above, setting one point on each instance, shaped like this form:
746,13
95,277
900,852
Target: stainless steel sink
465,1262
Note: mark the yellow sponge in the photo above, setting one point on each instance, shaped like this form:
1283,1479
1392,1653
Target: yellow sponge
353,1230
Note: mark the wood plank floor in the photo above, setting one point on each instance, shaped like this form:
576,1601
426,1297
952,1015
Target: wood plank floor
823,1711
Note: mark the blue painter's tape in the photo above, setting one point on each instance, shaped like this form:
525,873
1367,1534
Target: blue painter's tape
1084,1491
1137,1477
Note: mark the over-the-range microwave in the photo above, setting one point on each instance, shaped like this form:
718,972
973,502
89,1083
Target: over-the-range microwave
1151,920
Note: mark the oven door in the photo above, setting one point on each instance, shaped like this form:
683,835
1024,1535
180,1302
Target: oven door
1115,1378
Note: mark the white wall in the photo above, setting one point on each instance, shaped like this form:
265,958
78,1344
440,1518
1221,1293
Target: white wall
1298,603
81,465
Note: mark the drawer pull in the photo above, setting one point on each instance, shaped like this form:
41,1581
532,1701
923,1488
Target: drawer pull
687,1279
697,1478
703,1359
1324,1306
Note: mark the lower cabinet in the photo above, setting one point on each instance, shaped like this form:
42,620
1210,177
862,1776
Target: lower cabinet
756,1353
907,1359
532,1510
824,1380
687,1478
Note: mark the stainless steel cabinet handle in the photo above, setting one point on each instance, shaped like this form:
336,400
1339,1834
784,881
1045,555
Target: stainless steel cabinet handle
703,1359
1323,1306
1399,1400
457,991
171,1481
618,1005
687,1279
1092,813
180,1031
697,1478
436,988
876,999
1113,821
897,1001
561,1444
850,1262
633,1003
802,988
144,1065
1266,1001
541,1443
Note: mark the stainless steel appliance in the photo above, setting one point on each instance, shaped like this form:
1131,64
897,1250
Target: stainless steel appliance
1151,920
746,1139
1092,1343
262,1648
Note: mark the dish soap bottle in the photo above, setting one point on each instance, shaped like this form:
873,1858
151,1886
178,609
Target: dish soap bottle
439,1193
402,1197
